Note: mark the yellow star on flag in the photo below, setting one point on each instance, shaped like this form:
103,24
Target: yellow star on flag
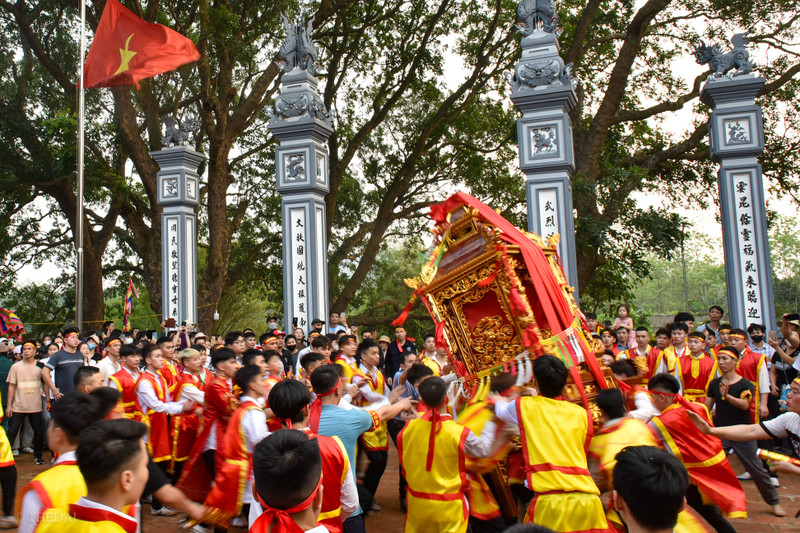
125,56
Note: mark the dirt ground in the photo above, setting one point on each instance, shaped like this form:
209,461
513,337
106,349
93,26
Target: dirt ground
392,518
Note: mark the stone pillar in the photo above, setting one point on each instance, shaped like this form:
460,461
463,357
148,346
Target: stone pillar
736,138
302,124
543,89
178,194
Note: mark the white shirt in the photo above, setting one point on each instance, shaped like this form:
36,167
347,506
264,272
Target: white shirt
366,391
108,368
148,399
191,392
349,500
84,502
300,356
135,377
645,410
32,504
254,427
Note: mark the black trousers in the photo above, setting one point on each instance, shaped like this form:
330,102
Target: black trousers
36,422
8,483
354,524
377,465
395,427
710,513
162,465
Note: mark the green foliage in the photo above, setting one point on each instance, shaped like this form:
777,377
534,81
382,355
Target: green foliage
384,295
423,111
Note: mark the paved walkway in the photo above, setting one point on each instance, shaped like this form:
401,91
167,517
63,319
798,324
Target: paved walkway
392,518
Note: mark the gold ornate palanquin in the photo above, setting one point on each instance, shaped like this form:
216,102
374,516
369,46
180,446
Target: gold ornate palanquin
469,289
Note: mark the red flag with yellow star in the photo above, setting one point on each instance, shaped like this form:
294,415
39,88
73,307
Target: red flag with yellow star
127,49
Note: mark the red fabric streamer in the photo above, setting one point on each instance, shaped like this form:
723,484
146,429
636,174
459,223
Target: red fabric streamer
435,419
315,412
281,518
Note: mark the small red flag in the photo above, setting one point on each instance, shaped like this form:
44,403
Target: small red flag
127,49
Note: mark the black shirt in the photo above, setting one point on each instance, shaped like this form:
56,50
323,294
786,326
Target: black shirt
395,356
784,373
727,414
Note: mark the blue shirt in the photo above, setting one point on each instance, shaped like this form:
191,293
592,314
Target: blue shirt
348,425
410,391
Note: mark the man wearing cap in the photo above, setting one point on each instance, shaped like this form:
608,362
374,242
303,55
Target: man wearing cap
110,364
395,353
316,327
200,339
65,363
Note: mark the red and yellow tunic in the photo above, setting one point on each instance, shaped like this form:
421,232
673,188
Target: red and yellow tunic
220,404
671,357
170,373
749,367
273,423
377,440
696,374
349,368
603,450
224,502
335,467
158,435
436,498
611,439
126,385
482,502
652,356
80,519
185,425
702,455
57,487
555,436
433,364
6,455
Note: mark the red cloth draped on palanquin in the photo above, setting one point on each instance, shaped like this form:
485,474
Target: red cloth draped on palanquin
543,294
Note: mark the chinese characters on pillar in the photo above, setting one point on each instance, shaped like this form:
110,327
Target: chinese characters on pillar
548,213
298,261
745,236
173,270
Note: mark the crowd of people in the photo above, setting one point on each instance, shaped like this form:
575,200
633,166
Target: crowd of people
288,432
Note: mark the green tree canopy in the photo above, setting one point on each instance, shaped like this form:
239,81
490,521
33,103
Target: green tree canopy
423,111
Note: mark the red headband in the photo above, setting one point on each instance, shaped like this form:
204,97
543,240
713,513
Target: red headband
68,335
737,336
112,341
28,342
280,517
316,408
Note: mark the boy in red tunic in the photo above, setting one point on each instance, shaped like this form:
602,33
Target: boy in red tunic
232,492
155,403
696,369
125,382
186,425
170,368
287,471
220,404
753,367
709,472
290,400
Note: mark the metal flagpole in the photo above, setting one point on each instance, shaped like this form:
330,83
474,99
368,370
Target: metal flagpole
79,214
